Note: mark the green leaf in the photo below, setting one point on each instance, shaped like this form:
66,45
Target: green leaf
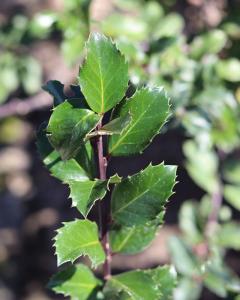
210,42
183,258
114,179
117,125
232,195
77,282
142,197
149,109
80,169
187,289
64,170
85,194
202,165
166,279
68,126
104,75
138,285
77,238
231,171
188,221
134,239
228,235
229,69
152,284
56,89
221,280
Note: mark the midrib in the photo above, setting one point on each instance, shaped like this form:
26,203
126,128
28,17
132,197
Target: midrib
129,129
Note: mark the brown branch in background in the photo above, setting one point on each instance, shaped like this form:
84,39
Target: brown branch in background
24,107
216,202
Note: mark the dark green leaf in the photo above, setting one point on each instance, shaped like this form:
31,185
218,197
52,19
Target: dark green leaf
77,282
142,197
166,279
85,193
77,238
152,284
149,109
63,170
117,125
138,285
131,240
68,126
104,75
56,89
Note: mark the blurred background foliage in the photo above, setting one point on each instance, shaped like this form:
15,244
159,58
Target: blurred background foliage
192,49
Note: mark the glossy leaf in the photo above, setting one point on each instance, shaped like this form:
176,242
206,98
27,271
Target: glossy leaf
73,169
138,285
149,109
77,282
152,284
77,238
85,193
104,75
116,126
134,239
68,126
142,197
166,279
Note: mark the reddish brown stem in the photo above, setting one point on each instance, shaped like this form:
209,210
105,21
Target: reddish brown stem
216,203
102,163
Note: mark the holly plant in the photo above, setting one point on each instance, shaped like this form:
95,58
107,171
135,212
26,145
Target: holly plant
103,120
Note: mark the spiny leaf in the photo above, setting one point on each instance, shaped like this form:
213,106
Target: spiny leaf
77,282
85,194
68,126
74,169
142,197
77,238
149,109
166,279
104,75
136,284
152,284
134,239
114,179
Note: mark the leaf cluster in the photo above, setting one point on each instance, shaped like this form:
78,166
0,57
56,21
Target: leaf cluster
67,143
